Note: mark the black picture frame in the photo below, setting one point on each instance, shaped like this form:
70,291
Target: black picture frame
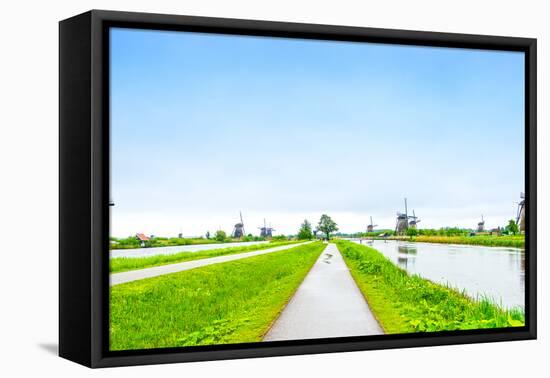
84,186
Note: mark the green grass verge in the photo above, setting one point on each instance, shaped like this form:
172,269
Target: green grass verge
232,302
122,264
405,303
131,242
515,241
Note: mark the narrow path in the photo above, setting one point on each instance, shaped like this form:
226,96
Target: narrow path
140,274
327,304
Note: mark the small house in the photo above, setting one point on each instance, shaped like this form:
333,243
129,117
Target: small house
142,238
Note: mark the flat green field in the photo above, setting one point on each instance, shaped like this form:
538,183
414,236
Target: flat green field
132,242
232,302
122,264
405,303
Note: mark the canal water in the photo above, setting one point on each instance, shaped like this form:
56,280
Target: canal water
494,272
144,252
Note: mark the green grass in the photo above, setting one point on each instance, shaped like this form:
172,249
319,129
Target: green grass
122,264
405,303
514,241
131,242
232,302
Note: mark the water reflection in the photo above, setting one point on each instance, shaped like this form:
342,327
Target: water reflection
406,255
497,273
408,249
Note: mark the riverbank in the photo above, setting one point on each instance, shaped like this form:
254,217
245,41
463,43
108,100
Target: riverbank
512,241
132,242
405,303
233,302
123,264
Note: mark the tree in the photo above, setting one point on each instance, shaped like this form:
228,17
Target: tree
305,232
220,235
411,231
512,227
327,225
208,234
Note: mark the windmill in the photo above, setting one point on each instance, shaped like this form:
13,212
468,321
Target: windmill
481,225
370,227
414,220
266,232
402,224
520,217
238,229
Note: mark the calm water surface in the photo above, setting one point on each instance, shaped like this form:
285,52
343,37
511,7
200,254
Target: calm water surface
496,272
144,252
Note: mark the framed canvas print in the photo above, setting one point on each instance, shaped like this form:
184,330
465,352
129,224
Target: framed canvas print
235,188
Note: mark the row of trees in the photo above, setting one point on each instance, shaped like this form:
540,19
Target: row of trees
510,229
326,225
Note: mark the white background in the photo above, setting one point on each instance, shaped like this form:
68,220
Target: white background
29,186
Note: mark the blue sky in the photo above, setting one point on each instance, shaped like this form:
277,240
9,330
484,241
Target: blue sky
204,126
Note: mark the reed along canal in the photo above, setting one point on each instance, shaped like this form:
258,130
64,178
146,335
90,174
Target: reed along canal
494,272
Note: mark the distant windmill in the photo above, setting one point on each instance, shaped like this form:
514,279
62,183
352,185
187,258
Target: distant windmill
414,220
266,232
238,229
402,224
481,225
370,227
520,217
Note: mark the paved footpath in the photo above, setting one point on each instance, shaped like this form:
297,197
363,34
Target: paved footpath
140,274
327,304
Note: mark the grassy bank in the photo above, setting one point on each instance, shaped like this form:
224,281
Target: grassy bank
131,242
404,303
513,241
233,302
122,264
